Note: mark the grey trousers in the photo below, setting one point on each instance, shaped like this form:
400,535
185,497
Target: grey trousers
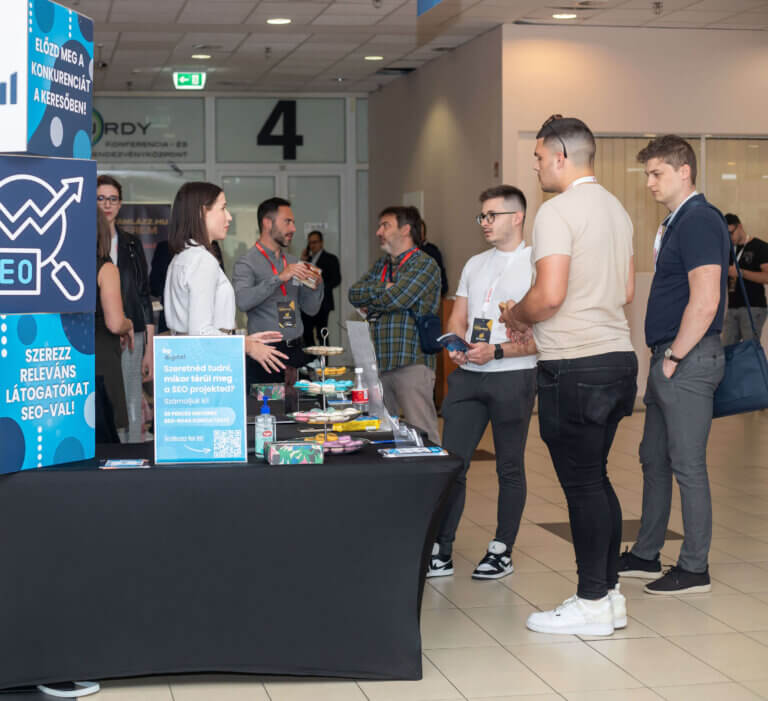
736,326
411,389
132,379
677,421
506,400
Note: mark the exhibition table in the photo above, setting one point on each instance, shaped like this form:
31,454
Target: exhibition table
300,570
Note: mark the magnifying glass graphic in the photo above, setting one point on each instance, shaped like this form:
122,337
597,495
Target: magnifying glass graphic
44,213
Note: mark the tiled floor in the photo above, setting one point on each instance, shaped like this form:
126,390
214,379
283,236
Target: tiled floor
704,648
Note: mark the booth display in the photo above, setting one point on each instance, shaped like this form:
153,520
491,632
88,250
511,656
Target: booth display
179,570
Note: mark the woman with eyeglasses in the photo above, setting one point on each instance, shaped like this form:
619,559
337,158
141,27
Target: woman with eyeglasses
127,253
199,298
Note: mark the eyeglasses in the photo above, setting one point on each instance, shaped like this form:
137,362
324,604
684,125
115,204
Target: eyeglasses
490,217
548,125
112,199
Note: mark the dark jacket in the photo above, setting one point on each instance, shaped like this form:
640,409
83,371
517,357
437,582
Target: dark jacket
432,250
134,281
329,264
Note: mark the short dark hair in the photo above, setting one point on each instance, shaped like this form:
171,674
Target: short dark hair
187,222
507,192
315,233
562,131
407,215
109,180
732,219
268,208
673,150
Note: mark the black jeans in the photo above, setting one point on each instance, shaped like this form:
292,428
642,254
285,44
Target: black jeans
581,402
506,400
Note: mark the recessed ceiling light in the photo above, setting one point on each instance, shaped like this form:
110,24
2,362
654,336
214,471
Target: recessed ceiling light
564,15
374,58
279,20
731,163
201,57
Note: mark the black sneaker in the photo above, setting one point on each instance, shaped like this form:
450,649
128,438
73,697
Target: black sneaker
633,566
439,565
676,580
496,564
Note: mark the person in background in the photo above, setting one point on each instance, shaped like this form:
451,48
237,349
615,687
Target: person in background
431,249
127,253
113,330
752,255
402,285
316,254
199,299
495,381
270,289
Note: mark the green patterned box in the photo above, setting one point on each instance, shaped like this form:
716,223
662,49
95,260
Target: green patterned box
295,453
270,391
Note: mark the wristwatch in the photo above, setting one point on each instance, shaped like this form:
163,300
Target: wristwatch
498,352
668,355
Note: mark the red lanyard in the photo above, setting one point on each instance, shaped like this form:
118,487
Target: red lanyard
400,265
274,269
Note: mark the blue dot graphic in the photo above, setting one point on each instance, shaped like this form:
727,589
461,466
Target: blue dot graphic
45,14
13,445
86,27
81,146
78,328
27,330
69,450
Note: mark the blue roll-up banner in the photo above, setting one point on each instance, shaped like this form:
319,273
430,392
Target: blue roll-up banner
47,235
47,400
200,414
46,79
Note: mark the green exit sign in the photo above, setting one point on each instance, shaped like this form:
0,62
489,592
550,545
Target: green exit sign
189,81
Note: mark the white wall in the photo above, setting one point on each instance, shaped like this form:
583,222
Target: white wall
438,131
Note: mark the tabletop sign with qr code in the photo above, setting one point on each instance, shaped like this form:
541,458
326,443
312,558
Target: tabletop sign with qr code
200,414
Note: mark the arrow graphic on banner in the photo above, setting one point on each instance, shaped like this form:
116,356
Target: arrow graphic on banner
41,219
197,450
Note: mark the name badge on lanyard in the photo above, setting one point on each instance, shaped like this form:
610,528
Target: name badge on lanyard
286,315
481,330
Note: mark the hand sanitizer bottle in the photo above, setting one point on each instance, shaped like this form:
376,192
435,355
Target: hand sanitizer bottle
266,428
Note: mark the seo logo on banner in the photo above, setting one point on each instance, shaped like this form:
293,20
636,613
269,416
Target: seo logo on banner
47,235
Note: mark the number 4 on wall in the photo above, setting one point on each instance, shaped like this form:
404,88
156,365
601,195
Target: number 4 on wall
289,139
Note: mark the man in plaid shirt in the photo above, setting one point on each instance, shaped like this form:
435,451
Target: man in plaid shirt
401,285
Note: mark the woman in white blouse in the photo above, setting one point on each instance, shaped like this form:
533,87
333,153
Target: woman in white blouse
199,299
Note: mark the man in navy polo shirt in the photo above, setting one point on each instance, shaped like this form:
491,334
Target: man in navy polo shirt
682,326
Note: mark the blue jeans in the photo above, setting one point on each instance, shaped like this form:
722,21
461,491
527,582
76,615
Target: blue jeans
581,402
678,417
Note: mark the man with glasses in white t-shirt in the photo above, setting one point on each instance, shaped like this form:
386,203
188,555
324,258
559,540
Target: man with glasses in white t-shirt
495,381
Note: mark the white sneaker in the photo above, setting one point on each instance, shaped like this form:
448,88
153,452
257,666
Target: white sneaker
575,616
439,567
497,562
619,605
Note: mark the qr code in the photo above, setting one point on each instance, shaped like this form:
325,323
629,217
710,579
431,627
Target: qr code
227,444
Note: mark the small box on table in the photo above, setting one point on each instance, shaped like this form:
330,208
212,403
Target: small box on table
294,453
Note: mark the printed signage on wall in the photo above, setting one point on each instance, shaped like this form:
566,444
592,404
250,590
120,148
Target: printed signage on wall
149,130
47,400
147,222
47,235
270,130
200,414
46,54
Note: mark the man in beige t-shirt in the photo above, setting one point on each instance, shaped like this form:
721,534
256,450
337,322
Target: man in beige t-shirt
587,370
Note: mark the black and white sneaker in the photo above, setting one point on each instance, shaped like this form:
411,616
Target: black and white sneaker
676,580
633,566
496,564
439,565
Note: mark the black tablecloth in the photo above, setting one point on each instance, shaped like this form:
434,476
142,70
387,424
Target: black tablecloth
307,570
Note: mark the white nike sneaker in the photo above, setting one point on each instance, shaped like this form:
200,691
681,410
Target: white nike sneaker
575,616
619,605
